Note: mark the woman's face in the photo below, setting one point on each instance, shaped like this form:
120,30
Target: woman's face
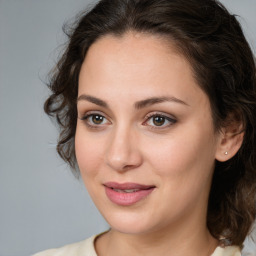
145,141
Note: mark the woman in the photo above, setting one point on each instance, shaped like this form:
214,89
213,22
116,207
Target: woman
156,104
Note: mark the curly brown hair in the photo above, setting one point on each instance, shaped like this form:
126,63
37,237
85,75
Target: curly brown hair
211,39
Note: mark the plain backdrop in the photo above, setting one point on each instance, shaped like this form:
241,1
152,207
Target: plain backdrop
42,205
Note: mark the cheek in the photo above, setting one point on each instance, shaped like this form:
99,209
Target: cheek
188,152
170,158
88,153
184,164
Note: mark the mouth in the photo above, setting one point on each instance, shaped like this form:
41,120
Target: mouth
126,194
125,190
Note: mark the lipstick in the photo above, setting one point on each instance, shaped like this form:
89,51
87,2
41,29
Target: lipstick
126,194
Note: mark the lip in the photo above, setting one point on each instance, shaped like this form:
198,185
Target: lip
126,194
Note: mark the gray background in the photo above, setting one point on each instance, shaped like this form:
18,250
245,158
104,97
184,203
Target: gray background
41,204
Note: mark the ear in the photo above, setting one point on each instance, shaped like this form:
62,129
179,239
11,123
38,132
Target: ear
230,140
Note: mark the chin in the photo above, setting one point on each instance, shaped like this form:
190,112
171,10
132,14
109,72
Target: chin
130,223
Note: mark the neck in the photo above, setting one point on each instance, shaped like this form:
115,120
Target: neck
198,242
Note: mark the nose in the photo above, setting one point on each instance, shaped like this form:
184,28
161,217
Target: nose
123,151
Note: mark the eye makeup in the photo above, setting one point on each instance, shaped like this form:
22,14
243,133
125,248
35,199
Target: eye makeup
153,120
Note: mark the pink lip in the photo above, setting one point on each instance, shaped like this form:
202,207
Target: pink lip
124,198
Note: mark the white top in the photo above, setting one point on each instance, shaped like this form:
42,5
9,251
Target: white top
86,248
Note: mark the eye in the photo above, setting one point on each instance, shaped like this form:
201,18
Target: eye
159,120
95,120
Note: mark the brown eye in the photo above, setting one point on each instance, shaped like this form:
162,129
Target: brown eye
159,120
97,119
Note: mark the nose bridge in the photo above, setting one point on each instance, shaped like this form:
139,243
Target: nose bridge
123,152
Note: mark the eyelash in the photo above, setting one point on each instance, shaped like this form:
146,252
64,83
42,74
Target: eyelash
88,116
148,117
166,118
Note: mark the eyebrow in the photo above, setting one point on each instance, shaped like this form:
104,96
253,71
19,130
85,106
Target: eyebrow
156,100
137,105
94,100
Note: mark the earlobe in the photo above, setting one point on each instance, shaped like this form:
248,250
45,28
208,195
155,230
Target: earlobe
231,139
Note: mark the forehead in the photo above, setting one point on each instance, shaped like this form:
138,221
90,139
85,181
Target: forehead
143,64
133,48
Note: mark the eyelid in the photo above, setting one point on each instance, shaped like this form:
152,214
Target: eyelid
88,114
172,120
159,113
92,112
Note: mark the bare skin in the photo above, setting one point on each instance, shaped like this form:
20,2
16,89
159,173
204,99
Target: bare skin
169,144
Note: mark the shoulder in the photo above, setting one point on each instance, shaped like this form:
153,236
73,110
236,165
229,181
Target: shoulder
85,248
227,251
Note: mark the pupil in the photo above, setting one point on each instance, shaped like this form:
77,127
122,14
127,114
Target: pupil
158,120
97,119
